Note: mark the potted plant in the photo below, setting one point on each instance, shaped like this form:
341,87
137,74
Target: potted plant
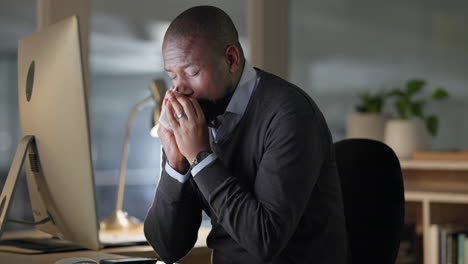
412,130
368,120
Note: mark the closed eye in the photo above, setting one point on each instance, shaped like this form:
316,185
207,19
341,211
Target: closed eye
193,74
172,76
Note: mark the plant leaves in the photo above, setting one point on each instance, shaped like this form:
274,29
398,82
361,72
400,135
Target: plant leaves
414,86
432,123
402,106
373,108
417,109
371,103
439,94
395,93
360,109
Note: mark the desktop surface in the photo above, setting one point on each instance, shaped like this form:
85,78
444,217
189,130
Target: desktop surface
7,258
199,254
20,256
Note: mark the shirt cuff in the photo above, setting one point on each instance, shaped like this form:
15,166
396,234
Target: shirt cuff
205,162
176,175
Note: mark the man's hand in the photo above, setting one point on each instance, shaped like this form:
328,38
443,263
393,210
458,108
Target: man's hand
190,129
174,157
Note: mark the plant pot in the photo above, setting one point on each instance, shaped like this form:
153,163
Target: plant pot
406,137
366,125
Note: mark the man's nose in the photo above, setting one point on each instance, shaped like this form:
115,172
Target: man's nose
183,88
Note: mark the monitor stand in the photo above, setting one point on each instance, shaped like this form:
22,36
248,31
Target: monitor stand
25,244
35,181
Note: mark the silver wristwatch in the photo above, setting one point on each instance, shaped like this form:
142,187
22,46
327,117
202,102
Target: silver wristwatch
201,156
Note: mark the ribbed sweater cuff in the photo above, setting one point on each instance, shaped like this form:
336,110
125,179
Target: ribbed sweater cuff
172,190
211,177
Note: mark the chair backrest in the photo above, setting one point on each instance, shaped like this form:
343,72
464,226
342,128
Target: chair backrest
373,196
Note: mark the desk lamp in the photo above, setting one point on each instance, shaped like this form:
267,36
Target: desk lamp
119,220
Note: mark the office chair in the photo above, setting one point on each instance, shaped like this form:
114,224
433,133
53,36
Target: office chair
374,202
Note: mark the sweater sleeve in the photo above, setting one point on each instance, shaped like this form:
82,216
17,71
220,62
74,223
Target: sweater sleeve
172,222
263,220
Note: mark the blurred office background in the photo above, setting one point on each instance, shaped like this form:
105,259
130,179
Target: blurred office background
336,49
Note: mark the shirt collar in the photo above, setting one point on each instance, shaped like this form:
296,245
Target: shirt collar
243,91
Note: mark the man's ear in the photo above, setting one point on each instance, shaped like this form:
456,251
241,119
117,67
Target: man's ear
232,56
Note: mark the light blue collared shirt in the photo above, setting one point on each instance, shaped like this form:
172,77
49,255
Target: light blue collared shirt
231,117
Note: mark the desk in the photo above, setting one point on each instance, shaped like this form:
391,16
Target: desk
200,254
12,258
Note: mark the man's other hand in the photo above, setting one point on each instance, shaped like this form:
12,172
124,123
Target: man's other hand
188,124
175,158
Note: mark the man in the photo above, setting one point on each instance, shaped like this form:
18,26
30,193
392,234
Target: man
250,149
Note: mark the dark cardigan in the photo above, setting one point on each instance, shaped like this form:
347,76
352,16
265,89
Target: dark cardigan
273,194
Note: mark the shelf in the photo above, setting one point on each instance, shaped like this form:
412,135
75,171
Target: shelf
433,165
436,192
417,196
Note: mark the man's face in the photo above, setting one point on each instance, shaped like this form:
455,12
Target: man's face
196,69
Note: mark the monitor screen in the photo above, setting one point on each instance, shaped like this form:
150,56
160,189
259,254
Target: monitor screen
53,109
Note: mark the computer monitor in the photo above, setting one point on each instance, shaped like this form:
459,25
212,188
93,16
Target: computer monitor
56,137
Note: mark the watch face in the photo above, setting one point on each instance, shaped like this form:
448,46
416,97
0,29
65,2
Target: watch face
202,155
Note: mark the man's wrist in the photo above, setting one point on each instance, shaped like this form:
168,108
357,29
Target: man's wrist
195,169
200,157
181,166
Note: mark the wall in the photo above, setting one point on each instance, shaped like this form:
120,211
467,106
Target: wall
339,48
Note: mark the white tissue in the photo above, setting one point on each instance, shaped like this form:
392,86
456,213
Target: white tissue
163,119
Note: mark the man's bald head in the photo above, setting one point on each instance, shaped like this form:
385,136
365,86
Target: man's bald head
207,22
